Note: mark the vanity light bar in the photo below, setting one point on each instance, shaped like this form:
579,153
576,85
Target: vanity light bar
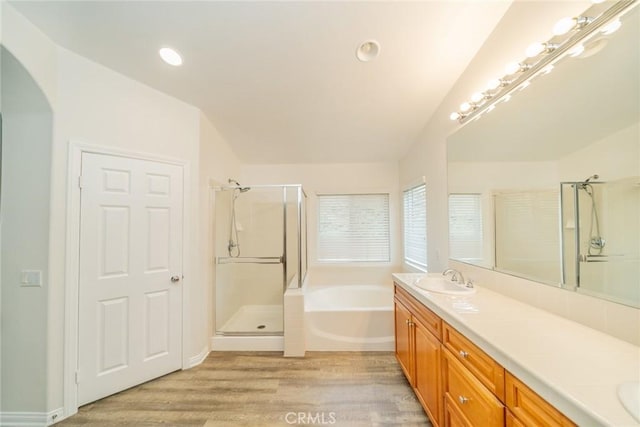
569,32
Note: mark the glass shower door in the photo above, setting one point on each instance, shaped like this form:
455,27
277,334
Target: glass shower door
601,249
249,265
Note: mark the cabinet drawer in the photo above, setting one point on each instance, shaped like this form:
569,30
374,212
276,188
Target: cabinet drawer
428,318
488,371
479,406
531,409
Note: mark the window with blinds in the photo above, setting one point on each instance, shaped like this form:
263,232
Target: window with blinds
353,228
527,238
465,227
415,226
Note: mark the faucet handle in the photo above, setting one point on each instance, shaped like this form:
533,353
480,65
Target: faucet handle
469,283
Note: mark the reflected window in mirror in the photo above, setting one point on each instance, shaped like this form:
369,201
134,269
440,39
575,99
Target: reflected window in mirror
415,226
465,228
527,238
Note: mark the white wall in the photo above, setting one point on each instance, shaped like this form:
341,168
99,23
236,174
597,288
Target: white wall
27,136
94,105
522,23
616,157
29,94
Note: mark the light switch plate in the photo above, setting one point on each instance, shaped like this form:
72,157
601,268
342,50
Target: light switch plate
31,278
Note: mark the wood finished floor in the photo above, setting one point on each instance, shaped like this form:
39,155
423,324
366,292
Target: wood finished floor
263,389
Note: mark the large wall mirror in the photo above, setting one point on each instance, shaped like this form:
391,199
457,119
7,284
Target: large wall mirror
546,186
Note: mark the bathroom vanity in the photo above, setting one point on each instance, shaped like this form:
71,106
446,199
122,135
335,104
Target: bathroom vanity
486,360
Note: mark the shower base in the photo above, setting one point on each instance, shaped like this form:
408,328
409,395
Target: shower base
254,320
243,331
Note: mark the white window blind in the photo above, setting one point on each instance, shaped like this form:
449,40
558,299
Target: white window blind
353,227
527,238
415,226
465,227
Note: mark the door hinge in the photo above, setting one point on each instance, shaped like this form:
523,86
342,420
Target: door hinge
77,377
80,181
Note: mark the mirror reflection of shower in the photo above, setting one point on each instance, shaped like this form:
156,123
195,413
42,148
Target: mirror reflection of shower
234,242
596,242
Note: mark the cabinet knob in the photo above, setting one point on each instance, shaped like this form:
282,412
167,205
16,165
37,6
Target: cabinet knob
463,354
175,279
462,400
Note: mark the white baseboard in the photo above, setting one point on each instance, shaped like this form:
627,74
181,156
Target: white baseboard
31,419
199,358
227,343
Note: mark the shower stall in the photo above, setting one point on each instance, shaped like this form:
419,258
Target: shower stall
600,224
260,251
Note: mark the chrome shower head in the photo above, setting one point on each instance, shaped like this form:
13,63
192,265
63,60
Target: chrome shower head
242,189
594,176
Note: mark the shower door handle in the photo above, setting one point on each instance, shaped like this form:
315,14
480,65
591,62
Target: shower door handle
175,279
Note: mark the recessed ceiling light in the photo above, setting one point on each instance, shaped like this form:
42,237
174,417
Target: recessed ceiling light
368,50
170,56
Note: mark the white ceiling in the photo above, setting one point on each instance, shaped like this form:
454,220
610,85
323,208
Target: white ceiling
280,80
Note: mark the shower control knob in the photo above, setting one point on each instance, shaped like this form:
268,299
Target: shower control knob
175,279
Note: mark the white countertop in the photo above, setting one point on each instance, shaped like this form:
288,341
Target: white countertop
575,368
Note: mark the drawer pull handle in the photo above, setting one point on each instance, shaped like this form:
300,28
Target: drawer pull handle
408,322
462,400
463,354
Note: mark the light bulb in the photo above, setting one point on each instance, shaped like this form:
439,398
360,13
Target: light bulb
512,68
170,56
454,116
535,49
465,106
494,84
611,27
477,97
564,25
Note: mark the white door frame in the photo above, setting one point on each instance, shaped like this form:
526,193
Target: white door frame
72,259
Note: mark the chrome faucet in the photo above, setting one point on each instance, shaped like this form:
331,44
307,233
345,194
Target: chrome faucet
457,277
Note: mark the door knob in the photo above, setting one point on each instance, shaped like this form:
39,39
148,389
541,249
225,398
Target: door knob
175,279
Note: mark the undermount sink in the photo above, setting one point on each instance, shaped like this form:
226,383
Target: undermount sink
443,286
629,395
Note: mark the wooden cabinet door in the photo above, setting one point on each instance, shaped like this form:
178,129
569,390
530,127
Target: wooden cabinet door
452,416
427,372
512,421
404,340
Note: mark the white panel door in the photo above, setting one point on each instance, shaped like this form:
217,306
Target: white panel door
130,295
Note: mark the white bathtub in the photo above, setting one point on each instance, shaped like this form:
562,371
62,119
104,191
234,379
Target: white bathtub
349,318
